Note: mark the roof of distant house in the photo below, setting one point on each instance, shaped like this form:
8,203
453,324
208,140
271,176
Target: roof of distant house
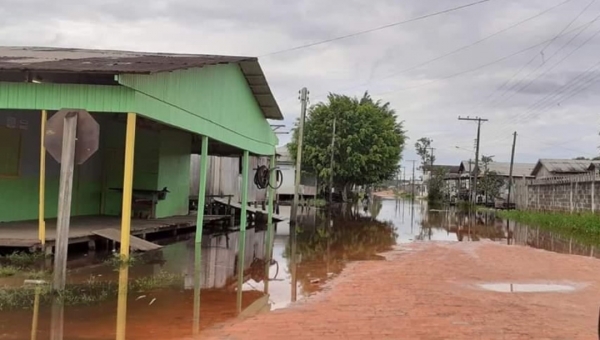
72,60
562,166
502,168
451,169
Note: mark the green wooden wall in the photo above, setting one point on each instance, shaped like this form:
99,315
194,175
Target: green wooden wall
213,101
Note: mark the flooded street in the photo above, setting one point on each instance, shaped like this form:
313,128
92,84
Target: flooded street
159,301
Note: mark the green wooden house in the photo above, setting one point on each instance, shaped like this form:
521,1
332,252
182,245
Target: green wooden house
178,101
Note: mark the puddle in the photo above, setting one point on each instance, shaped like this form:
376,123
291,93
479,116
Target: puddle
527,287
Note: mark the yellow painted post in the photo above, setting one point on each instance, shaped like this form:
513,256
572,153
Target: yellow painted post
242,234
126,225
127,185
42,194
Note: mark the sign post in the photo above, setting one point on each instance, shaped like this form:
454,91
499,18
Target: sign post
71,137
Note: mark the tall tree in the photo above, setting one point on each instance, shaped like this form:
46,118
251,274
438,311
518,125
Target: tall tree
489,181
368,144
423,148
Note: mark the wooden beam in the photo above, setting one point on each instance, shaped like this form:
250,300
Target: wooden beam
42,190
199,229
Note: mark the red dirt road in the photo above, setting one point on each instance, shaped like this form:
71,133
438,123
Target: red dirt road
429,291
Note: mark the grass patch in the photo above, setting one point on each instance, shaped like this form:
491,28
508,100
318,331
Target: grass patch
23,259
6,271
584,227
91,292
161,280
117,261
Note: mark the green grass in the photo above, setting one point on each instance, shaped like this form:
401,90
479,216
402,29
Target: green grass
23,259
116,261
91,292
584,227
6,271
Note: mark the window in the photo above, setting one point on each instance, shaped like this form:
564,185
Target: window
10,151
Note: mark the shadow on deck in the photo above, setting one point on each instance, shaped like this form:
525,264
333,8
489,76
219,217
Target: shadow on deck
24,234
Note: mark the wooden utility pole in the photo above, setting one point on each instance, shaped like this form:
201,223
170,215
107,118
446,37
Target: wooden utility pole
510,175
303,102
67,165
332,162
478,120
413,179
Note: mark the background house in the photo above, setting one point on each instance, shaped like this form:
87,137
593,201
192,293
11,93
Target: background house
308,182
560,167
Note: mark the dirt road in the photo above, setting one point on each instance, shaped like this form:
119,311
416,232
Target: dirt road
432,291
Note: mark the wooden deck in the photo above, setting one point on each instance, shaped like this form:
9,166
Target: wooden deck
24,234
276,218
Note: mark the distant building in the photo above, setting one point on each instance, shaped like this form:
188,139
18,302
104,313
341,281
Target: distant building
560,167
308,182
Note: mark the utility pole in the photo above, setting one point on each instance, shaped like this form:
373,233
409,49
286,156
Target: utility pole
303,101
478,120
413,180
332,162
510,175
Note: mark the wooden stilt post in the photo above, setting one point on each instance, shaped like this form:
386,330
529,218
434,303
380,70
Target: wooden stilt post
42,194
270,228
242,235
126,224
67,165
199,229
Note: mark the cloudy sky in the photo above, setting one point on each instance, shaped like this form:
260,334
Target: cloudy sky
536,78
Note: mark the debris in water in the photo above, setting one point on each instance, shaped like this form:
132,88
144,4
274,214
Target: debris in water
151,302
140,297
315,281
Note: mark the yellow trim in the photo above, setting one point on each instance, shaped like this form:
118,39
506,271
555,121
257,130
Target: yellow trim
42,194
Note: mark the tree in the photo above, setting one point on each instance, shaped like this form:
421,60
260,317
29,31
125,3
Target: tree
368,143
436,186
490,182
422,146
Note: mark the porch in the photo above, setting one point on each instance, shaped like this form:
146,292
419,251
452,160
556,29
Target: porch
24,234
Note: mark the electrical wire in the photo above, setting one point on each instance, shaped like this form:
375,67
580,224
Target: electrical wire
477,68
462,48
529,62
526,85
453,9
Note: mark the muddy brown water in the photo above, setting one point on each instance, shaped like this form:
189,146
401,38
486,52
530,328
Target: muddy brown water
305,258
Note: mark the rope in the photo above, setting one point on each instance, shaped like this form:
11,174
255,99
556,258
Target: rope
263,175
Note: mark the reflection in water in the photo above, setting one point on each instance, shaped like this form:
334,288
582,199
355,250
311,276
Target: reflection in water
277,268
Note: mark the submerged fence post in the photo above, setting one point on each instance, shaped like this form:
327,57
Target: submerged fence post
269,246
202,177
593,191
242,234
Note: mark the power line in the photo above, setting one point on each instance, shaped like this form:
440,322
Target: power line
375,29
530,60
477,68
553,66
476,42
462,48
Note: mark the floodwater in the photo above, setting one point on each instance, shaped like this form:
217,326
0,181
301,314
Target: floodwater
304,258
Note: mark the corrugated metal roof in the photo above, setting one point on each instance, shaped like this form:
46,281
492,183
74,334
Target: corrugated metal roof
519,169
562,166
69,60
502,168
